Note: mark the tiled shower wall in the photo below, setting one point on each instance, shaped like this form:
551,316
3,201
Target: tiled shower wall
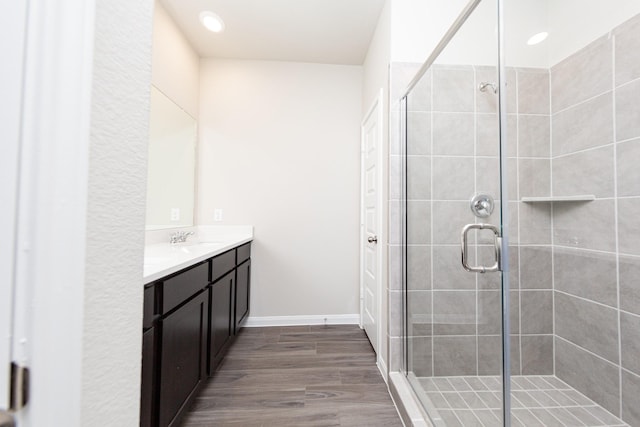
575,279
595,107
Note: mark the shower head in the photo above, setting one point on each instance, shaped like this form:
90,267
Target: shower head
483,87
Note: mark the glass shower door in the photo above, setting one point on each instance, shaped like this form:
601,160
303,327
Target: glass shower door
454,227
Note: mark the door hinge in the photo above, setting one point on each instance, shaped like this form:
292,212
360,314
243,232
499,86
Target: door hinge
19,387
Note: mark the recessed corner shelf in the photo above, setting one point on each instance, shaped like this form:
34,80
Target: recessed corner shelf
580,198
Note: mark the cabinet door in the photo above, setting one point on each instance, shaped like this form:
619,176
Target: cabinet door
148,375
183,358
243,281
221,318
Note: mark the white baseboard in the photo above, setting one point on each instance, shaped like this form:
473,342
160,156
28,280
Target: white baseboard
327,319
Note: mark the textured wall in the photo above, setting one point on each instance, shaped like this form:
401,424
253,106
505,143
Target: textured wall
116,212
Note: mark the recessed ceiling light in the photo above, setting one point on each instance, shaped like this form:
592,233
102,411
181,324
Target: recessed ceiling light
537,38
211,21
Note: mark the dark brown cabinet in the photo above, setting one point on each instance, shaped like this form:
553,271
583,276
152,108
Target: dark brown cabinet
221,326
183,357
243,277
190,319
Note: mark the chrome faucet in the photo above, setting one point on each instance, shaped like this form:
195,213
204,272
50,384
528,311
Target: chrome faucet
179,236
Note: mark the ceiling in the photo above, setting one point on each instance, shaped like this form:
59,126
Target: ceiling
320,31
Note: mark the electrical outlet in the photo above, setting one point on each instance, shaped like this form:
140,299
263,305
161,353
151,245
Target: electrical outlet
175,214
217,215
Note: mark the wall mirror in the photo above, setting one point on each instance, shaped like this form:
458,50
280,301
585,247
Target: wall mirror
171,169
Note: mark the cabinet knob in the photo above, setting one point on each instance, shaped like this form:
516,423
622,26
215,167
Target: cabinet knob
372,239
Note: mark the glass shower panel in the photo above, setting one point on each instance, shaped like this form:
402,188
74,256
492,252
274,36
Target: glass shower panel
453,316
575,119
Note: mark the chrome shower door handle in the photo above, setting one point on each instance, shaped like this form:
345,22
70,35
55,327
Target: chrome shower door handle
464,243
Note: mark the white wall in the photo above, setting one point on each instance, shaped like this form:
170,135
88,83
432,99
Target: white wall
418,25
573,24
280,150
175,64
112,344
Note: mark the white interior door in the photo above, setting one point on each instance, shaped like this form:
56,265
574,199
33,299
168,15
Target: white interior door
12,34
370,245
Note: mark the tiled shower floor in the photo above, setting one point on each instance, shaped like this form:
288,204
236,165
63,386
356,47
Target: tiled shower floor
535,400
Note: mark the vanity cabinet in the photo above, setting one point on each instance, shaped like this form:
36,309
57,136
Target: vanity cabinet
221,326
190,320
183,356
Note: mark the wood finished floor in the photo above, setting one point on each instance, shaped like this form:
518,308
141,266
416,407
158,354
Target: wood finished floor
300,376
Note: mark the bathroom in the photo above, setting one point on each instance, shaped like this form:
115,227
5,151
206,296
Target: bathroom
101,181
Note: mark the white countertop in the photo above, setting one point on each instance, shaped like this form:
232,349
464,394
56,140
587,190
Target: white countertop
162,259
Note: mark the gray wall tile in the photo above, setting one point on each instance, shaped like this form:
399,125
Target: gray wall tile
535,267
454,356
419,319
590,275
628,230
583,75
534,223
589,325
420,356
489,312
418,133
488,176
447,269
395,267
454,312
630,393
588,225
627,154
586,172
533,91
489,354
418,266
630,337
418,223
534,135
395,313
453,134
418,177
487,135
536,312
630,284
420,97
589,374
537,354
448,220
394,221
453,89
627,111
453,178
627,47
396,360
534,177
586,125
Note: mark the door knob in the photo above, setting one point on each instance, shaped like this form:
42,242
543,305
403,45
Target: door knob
372,239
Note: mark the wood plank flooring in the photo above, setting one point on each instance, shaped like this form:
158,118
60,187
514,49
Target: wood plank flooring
300,376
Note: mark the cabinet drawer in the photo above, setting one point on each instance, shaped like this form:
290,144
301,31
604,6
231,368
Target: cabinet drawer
222,264
244,253
149,307
182,286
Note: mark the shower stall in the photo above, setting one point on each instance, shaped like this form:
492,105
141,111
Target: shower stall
519,211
